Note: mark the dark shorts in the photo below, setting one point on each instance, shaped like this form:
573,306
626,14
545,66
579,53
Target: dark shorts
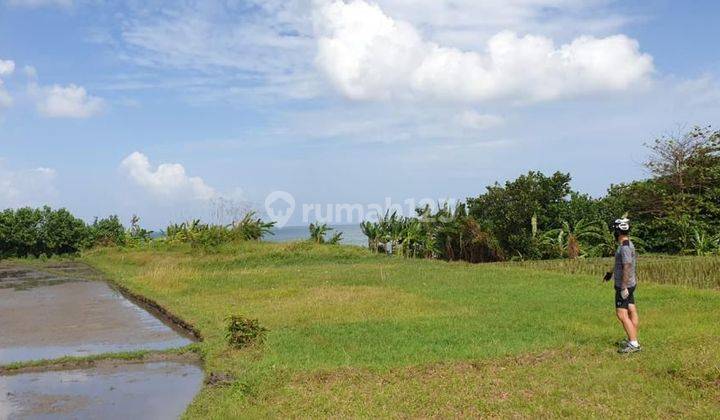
623,303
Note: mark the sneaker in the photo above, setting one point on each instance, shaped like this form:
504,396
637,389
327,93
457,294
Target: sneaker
622,342
629,348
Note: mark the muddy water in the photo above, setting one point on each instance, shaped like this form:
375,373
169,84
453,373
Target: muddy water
46,316
127,391
57,311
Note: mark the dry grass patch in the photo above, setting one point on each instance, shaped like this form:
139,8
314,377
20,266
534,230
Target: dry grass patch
329,304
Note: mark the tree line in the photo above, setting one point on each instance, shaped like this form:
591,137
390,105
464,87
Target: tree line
26,232
37,232
676,210
536,216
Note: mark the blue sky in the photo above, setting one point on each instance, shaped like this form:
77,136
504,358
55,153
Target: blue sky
164,108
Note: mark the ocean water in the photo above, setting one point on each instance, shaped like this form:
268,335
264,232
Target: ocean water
352,235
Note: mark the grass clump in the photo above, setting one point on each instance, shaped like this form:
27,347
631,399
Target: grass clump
242,332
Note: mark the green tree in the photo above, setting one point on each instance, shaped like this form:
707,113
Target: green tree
507,210
108,232
683,195
61,233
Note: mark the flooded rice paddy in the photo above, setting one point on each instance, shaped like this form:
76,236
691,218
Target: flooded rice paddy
124,391
64,310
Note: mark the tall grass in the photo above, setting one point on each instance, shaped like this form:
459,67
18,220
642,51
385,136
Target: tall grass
695,271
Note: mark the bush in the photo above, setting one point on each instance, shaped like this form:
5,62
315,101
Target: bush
136,235
46,232
107,232
36,232
210,238
242,331
250,228
318,232
61,233
205,236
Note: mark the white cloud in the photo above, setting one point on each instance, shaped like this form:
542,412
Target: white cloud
168,180
476,121
31,187
69,101
262,37
265,48
7,67
467,23
366,54
232,50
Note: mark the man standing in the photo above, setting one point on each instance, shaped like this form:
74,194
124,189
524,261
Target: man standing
625,283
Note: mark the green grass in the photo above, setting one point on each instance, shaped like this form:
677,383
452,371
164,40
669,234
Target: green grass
702,272
356,334
74,361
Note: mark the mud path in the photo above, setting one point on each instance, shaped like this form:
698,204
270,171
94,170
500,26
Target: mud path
57,310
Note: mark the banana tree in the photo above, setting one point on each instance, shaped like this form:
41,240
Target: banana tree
318,232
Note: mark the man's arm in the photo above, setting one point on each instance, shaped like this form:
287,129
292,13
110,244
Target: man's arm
627,271
626,253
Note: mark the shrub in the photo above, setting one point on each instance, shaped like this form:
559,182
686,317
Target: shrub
242,331
318,232
61,233
46,232
107,232
37,232
206,236
250,228
210,238
136,234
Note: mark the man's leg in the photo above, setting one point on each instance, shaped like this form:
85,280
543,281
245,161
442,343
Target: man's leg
633,313
627,324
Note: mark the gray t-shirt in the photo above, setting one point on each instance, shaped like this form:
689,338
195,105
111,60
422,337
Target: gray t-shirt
625,255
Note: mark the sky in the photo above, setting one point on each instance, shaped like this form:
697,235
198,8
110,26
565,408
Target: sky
180,109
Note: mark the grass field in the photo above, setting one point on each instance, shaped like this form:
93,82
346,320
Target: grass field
702,272
356,334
